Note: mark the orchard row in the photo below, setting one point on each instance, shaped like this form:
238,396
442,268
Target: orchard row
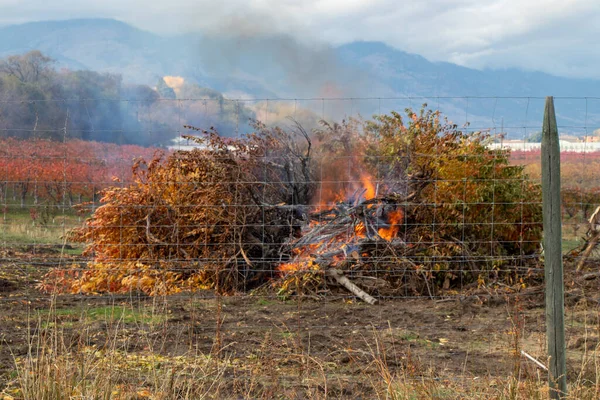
63,173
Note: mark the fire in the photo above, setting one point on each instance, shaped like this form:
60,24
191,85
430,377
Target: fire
332,192
288,267
327,197
394,219
367,182
332,244
360,230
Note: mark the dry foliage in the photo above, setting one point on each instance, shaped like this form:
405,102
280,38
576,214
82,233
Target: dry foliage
438,209
213,217
435,203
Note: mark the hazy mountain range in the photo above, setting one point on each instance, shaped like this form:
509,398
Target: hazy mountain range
262,66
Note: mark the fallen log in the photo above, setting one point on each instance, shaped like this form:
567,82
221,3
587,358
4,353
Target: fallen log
344,281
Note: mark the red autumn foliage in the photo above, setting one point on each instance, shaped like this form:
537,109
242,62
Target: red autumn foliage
63,173
579,180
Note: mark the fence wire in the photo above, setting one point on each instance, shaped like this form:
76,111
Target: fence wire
244,269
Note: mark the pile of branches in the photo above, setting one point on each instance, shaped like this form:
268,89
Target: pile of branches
210,218
468,217
348,237
379,243
235,215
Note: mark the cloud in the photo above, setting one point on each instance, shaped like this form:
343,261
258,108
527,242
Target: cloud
531,34
555,36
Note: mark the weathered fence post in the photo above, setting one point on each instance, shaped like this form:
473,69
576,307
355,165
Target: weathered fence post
555,327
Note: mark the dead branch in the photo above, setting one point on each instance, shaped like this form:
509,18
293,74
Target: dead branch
591,244
342,280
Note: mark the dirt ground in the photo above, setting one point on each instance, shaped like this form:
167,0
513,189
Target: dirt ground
464,339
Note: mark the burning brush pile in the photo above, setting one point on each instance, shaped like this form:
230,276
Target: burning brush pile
381,207
416,209
365,234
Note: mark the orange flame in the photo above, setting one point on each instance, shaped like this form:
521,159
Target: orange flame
327,195
367,182
394,219
332,192
288,267
360,230
340,188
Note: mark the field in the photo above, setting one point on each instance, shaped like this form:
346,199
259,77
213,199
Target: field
206,346
465,344
258,347
581,189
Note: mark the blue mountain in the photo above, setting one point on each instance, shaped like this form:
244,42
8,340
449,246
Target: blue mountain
280,67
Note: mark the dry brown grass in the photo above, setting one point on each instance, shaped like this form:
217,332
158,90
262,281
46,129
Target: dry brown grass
65,364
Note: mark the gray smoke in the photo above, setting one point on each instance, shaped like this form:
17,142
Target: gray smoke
250,48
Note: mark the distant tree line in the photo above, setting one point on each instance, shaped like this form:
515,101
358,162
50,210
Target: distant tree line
39,101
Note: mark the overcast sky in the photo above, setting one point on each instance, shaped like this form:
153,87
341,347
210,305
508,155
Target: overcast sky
555,36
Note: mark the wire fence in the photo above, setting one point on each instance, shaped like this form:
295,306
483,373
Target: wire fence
343,255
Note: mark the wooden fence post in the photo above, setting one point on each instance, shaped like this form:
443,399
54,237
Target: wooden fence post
555,327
